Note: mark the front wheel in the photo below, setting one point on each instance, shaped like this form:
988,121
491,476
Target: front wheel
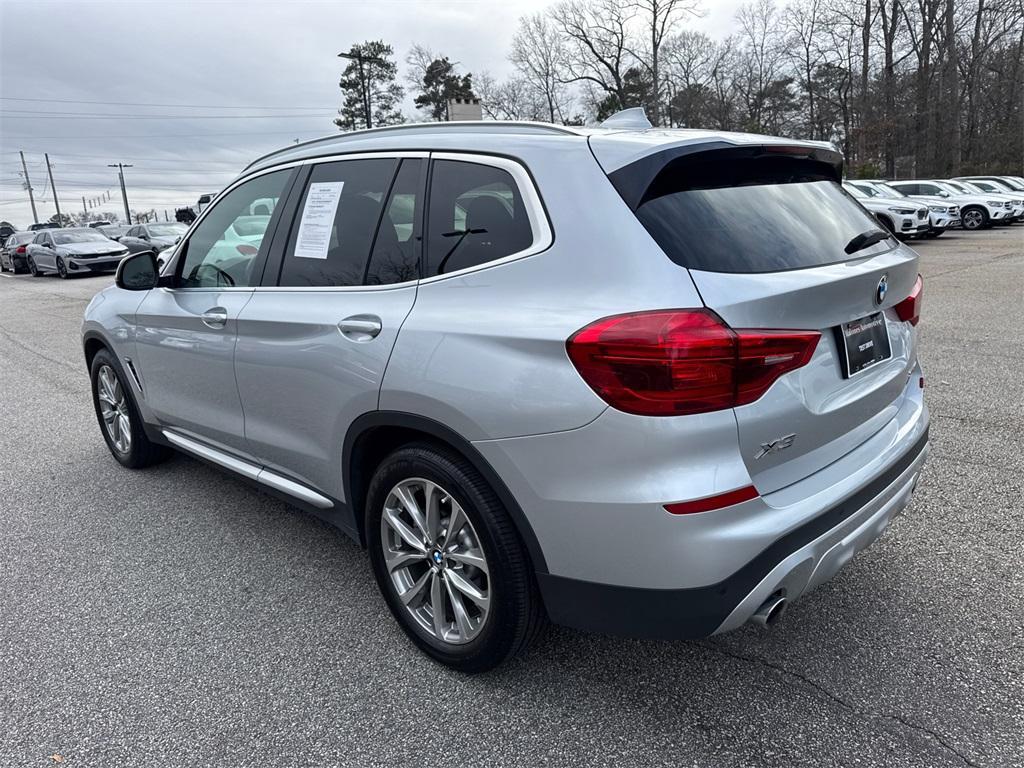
119,417
62,269
973,218
448,560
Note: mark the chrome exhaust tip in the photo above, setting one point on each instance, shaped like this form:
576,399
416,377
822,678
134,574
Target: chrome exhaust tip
770,612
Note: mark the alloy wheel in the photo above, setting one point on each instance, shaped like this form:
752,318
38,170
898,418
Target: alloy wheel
973,219
435,561
32,267
62,269
114,409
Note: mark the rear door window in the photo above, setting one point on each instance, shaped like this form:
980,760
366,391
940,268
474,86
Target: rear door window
335,223
477,215
750,217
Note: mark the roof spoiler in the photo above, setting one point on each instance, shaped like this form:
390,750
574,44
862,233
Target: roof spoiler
632,181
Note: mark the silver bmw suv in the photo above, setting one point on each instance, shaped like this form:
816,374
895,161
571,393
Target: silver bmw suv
656,383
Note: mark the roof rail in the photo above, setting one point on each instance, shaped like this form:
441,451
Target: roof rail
529,126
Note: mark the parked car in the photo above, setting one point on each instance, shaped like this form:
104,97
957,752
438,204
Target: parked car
153,237
114,231
645,415
73,251
942,215
990,189
13,255
903,217
43,225
100,224
204,201
976,211
1008,184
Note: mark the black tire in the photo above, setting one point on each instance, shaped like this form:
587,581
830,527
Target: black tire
141,452
973,218
33,268
3,267
516,615
62,269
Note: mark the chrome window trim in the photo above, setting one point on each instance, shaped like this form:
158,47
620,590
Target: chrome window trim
540,225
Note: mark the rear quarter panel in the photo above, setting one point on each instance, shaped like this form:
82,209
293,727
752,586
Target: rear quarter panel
484,352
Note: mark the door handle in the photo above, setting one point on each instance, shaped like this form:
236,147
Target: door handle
215,318
360,327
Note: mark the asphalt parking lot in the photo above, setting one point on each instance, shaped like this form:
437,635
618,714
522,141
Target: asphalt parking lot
175,617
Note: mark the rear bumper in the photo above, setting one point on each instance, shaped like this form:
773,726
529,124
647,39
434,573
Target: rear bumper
792,565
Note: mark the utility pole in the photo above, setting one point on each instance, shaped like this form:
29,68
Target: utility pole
124,195
360,59
56,202
28,185
85,208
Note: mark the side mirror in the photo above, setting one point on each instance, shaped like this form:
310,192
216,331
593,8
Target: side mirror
137,272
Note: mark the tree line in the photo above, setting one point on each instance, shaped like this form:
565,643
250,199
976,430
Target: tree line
903,87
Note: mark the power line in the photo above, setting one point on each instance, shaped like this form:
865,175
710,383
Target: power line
149,104
165,135
26,115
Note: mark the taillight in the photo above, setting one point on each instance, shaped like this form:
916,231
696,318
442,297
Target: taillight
675,362
909,310
20,249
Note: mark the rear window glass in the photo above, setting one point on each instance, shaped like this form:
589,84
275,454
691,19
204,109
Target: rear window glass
759,216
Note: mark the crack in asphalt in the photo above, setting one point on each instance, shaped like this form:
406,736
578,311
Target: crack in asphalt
7,335
839,700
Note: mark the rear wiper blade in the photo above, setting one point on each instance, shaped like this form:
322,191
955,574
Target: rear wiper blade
864,239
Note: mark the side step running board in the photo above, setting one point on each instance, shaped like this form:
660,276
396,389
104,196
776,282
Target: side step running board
248,470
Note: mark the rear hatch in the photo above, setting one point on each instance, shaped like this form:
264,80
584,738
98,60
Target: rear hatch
764,233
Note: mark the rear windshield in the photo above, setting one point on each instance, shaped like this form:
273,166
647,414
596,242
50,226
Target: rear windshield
753,217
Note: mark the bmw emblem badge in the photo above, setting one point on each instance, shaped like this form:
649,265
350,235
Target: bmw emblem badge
883,288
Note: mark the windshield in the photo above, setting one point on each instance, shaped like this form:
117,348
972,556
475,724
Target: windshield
723,228
167,230
79,236
964,188
884,190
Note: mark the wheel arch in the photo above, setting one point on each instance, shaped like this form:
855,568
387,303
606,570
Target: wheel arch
373,436
92,343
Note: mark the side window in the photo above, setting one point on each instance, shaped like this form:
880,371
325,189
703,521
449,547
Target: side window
928,189
335,222
222,250
476,216
395,257
908,189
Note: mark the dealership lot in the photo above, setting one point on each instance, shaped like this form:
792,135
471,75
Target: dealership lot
178,617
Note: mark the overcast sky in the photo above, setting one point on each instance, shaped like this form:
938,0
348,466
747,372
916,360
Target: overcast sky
254,76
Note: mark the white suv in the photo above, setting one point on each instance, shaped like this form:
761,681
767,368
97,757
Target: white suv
942,215
976,211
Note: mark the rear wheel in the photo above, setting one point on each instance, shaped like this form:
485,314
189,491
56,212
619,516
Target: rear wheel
33,268
119,417
973,218
448,560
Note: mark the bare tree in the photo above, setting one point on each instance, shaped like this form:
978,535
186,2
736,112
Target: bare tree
657,17
598,44
540,55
